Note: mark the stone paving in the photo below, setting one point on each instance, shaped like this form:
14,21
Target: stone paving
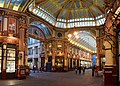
56,79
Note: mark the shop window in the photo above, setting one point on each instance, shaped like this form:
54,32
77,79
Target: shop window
10,60
59,61
30,51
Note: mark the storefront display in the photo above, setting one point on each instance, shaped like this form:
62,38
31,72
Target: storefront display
10,60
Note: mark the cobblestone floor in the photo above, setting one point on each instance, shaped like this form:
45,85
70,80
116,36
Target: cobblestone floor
56,79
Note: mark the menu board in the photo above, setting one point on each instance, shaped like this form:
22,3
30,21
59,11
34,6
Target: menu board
10,67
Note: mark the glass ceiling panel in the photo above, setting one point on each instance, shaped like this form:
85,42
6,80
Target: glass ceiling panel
41,26
77,4
17,5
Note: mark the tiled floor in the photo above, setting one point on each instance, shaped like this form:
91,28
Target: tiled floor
56,79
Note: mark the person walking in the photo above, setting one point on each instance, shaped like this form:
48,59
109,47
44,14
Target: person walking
41,69
84,69
79,69
93,70
34,68
76,70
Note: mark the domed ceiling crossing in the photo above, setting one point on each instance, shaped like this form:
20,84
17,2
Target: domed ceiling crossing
63,13
65,9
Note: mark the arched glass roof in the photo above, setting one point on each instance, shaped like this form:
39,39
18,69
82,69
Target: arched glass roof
41,26
17,5
86,40
70,13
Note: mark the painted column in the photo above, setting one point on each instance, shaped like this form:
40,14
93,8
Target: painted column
45,54
65,57
4,61
98,50
22,40
26,47
21,46
53,54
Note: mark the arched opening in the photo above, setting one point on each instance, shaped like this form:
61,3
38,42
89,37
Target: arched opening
37,35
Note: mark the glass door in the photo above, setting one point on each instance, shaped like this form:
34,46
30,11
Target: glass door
10,67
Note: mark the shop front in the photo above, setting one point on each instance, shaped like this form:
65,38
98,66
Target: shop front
8,61
59,63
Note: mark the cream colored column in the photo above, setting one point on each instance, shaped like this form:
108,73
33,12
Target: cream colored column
108,53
